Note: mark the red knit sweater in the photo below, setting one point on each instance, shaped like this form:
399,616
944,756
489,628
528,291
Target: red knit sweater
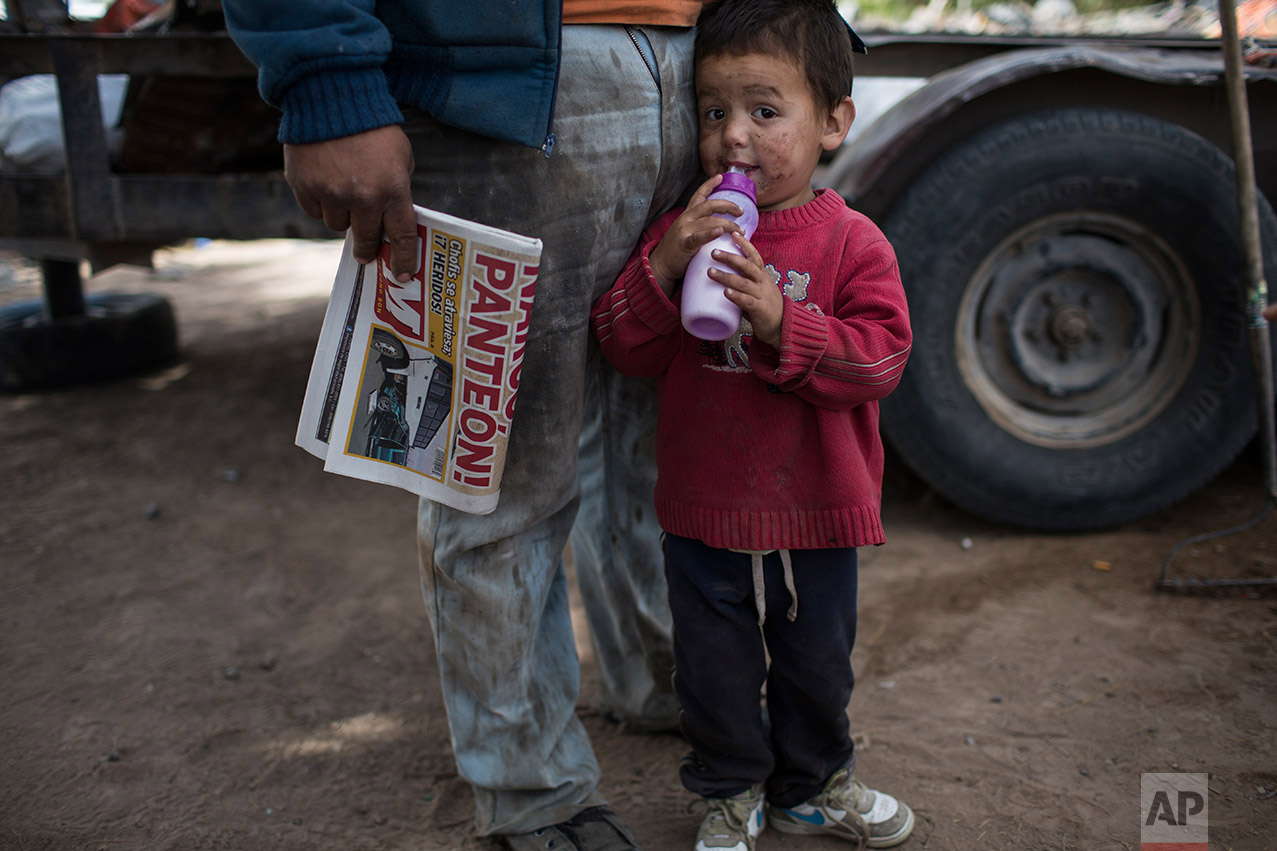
763,449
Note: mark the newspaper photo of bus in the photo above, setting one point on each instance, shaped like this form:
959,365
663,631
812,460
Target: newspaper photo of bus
409,395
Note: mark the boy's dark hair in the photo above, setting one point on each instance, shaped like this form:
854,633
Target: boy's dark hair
810,32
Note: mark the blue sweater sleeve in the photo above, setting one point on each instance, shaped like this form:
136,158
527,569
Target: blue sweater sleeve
321,62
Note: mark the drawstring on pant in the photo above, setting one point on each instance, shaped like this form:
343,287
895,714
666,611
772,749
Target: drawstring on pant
760,595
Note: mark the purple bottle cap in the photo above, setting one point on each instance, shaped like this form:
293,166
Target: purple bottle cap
738,182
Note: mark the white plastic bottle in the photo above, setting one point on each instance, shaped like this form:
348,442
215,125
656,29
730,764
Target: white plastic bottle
707,313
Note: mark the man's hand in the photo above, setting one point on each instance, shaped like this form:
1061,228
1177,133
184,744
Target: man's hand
361,182
1270,312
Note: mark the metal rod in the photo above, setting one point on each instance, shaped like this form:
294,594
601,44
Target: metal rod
1248,217
63,288
1256,299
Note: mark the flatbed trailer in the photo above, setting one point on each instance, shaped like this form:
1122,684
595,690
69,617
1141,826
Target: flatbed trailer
1063,210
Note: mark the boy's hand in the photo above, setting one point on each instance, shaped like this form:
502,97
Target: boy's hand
698,224
752,289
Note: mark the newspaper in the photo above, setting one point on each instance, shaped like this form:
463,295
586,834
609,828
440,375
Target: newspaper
413,384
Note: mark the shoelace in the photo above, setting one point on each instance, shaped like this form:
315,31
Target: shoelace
845,795
734,814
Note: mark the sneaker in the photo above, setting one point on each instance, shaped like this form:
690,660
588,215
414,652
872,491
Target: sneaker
845,808
732,824
592,829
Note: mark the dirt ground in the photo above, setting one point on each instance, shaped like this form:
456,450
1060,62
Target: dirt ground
206,642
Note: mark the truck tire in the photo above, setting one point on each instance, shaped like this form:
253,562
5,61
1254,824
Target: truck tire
393,352
1076,287
119,334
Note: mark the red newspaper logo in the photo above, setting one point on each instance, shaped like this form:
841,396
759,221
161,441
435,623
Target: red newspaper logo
495,334
402,306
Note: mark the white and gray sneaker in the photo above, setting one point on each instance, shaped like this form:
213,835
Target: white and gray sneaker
733,824
845,808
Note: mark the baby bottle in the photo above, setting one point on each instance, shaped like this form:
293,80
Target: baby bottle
707,313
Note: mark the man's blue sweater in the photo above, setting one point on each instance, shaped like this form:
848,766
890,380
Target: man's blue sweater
339,67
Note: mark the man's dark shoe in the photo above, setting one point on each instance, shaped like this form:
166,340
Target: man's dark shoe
592,829
635,726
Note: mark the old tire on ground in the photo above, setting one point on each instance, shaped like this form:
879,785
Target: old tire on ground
119,334
1081,355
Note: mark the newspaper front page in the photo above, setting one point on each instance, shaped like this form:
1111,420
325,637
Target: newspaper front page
413,384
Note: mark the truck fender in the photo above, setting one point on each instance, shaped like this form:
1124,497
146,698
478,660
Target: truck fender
868,171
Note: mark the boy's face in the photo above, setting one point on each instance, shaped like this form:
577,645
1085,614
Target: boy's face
758,112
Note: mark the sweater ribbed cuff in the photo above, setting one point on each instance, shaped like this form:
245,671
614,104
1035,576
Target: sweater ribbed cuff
803,338
647,299
332,104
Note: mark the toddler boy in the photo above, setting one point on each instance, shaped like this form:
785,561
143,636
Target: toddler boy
768,453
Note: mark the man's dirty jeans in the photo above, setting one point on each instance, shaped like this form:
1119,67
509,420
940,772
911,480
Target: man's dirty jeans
495,586
616,548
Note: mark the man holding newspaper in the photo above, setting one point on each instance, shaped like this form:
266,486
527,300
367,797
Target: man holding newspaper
572,122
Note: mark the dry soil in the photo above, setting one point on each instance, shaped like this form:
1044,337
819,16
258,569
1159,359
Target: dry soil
206,642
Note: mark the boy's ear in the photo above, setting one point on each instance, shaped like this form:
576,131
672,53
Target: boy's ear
838,123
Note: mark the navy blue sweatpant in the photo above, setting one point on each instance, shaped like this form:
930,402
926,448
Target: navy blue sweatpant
720,667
